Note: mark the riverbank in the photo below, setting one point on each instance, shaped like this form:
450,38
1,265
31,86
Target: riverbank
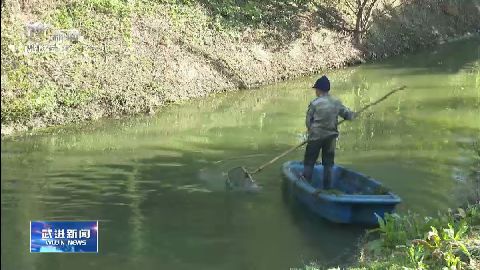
450,240
133,57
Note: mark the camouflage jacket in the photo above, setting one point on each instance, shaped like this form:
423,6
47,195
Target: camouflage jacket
322,117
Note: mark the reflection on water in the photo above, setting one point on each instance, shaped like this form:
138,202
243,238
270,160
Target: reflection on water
157,183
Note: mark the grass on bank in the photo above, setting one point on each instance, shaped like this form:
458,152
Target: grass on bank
79,84
450,241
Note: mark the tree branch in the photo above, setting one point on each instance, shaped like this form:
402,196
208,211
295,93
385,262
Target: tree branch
349,6
368,14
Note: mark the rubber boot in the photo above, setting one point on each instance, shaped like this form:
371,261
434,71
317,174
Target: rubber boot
308,173
327,177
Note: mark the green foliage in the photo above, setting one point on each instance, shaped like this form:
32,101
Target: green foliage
439,249
428,243
33,102
393,229
79,15
416,256
445,242
119,8
278,13
65,17
75,98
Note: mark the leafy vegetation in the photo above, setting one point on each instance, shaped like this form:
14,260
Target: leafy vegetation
450,241
227,44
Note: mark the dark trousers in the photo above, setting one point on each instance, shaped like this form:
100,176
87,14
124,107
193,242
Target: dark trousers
327,146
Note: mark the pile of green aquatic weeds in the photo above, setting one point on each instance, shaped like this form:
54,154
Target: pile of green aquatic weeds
449,241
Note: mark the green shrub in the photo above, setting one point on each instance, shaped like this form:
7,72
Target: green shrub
427,243
34,102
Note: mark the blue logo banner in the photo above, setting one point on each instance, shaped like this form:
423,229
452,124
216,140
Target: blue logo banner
64,236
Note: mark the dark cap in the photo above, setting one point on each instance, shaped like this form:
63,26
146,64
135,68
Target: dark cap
322,84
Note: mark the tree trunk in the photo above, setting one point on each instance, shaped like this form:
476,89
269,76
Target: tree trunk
357,35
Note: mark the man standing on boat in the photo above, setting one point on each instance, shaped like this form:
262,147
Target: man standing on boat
321,122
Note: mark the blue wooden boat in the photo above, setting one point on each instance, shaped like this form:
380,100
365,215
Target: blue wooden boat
357,200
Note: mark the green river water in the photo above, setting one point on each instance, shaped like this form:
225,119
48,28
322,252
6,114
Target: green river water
156,183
